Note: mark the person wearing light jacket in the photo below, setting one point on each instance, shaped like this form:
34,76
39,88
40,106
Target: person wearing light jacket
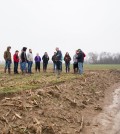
30,61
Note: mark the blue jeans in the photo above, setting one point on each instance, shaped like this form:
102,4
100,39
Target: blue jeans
80,67
67,67
30,66
7,64
54,66
23,66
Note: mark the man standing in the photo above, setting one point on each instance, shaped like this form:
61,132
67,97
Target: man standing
16,61
23,60
8,60
80,58
58,61
30,61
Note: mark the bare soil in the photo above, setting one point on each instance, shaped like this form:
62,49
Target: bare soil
65,108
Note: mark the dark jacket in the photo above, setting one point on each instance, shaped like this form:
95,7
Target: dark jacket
23,57
67,58
7,54
45,59
59,56
54,58
80,57
37,59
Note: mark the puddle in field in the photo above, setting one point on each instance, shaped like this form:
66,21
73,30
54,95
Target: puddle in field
108,122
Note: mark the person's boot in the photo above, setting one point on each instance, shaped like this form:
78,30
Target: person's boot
5,70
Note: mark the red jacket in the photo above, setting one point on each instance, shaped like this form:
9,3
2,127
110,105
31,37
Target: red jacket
16,58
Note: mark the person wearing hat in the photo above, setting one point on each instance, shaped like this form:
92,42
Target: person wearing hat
16,61
8,60
23,60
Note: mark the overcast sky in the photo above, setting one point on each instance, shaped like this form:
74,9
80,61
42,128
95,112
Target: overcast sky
92,25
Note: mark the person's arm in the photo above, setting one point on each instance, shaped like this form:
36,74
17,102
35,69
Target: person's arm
5,55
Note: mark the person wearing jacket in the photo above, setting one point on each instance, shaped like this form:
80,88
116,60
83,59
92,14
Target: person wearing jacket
37,62
75,62
16,61
58,61
45,59
54,61
67,60
80,58
23,60
30,61
8,60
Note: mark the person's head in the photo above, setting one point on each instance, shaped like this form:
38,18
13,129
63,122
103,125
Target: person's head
16,52
57,49
67,53
8,48
24,49
30,50
54,53
37,54
45,53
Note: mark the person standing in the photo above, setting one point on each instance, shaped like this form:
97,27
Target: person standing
16,61
37,62
23,60
30,61
75,62
80,58
54,61
45,59
67,60
58,61
8,60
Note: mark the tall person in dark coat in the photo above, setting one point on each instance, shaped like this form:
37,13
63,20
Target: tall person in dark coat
45,59
80,58
23,60
58,61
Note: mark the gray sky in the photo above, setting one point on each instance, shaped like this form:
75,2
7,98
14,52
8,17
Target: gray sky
92,25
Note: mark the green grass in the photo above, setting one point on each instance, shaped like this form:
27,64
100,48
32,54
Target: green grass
16,83
101,66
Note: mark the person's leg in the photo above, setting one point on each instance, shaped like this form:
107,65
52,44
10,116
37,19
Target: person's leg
17,67
29,65
6,66
9,67
80,67
68,67
43,66
39,66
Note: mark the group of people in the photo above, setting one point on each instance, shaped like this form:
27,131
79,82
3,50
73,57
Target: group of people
26,61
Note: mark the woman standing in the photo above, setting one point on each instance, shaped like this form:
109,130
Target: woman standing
16,61
45,59
37,62
67,60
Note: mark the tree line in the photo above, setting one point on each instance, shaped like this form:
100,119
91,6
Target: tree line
103,58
